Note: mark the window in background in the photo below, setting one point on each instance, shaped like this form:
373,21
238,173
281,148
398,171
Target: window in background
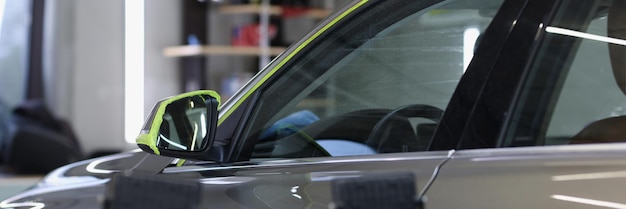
14,32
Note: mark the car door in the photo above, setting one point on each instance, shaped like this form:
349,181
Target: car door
556,98
365,92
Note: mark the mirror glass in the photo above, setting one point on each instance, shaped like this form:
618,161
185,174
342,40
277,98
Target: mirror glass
184,125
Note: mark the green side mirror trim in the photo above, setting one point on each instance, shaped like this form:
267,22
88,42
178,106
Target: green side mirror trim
154,120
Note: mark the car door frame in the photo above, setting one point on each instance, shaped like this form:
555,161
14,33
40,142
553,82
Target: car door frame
492,110
236,112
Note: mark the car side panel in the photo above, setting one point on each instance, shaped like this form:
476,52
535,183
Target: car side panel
297,183
573,176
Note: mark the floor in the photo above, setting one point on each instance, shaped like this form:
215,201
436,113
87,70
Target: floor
12,184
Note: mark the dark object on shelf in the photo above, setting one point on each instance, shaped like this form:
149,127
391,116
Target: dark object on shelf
249,35
37,142
380,190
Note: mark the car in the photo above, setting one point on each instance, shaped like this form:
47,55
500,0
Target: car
483,103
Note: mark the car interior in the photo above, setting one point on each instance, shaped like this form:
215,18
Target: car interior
611,129
575,95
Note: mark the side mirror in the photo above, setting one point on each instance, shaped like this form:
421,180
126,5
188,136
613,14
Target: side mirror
181,126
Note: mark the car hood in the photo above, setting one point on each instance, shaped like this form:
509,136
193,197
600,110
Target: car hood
76,185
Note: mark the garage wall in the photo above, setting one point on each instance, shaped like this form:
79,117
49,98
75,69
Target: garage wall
163,28
85,65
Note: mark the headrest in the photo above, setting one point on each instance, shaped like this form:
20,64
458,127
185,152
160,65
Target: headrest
602,131
617,29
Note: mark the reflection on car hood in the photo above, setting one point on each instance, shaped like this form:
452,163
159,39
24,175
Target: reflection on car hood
77,184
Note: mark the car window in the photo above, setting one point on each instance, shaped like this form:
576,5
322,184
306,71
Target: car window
379,84
575,90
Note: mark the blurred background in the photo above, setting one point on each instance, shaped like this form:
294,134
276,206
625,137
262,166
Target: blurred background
77,77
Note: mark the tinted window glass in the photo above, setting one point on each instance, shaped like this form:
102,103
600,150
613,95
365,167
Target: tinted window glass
377,85
572,95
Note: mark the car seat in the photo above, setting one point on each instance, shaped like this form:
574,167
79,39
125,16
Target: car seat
611,129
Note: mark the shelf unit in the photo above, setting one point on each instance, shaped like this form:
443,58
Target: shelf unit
199,50
199,63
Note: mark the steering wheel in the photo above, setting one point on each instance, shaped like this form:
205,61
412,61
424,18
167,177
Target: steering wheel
377,136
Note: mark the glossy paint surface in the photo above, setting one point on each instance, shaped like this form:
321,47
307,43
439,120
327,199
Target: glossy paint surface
466,167
544,177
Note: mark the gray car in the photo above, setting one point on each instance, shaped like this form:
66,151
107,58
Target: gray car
486,103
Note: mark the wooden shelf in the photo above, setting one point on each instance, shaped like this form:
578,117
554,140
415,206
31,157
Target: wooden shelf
199,50
273,10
